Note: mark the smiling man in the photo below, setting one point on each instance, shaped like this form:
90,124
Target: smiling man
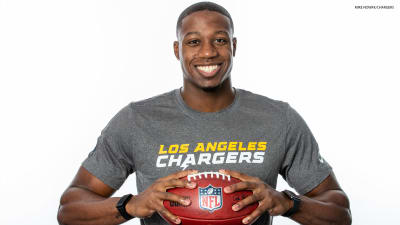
206,125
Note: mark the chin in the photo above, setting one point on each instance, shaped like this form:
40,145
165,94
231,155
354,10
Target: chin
207,85
215,86
211,88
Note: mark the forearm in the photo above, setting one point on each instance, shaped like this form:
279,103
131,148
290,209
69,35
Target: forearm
82,207
332,207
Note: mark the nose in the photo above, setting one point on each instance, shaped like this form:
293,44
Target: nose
207,50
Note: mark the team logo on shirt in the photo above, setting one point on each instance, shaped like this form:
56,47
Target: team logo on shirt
210,198
211,153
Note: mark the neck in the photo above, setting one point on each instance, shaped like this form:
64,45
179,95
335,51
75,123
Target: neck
208,100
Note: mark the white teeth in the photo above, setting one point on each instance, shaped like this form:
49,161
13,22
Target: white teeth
207,69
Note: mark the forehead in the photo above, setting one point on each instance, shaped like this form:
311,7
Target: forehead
205,21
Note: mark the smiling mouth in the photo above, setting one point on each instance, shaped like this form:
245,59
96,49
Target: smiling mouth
209,70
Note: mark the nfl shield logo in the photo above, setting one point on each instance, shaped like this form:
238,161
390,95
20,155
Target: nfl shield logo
210,198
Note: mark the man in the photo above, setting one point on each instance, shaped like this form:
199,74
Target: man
205,126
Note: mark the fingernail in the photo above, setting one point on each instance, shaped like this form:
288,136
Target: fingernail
177,221
235,207
245,220
227,189
194,171
191,184
222,171
185,201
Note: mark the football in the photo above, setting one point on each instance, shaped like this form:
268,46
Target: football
210,205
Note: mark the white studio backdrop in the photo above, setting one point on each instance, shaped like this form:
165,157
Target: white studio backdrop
67,67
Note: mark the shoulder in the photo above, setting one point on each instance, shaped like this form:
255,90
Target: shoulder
257,102
158,101
126,117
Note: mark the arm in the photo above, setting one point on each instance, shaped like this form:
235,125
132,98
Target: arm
87,200
325,204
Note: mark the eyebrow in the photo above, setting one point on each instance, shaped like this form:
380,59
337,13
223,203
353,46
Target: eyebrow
190,33
222,32
198,33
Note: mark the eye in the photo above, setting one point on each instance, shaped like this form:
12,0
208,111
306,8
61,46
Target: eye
193,42
221,41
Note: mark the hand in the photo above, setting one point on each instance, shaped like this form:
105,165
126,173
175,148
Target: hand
151,200
270,200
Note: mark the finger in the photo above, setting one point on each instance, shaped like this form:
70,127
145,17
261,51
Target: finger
167,214
172,183
239,175
174,198
253,216
245,202
179,174
244,185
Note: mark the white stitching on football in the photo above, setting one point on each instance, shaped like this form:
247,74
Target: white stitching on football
205,174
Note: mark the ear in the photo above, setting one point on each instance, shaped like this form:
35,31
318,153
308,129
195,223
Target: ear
234,46
176,49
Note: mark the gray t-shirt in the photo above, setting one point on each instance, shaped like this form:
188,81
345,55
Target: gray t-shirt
161,135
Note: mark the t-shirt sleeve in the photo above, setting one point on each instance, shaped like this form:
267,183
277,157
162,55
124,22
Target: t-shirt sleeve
111,160
303,167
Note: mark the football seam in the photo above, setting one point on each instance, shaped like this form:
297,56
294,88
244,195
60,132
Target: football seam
205,175
212,219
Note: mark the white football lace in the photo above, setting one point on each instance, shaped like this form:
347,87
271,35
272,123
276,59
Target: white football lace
205,175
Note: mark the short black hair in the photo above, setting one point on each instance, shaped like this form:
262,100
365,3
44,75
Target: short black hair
200,6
